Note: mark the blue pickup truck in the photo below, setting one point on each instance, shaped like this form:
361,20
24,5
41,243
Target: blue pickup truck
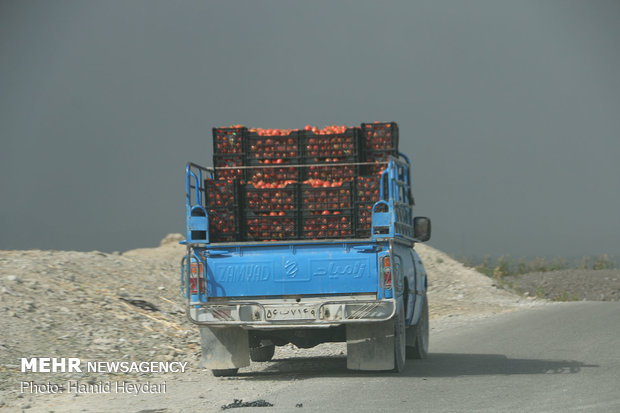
368,291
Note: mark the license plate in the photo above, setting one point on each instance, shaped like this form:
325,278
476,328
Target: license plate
292,312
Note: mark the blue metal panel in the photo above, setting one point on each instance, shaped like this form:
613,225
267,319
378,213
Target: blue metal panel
397,221
198,225
196,219
381,219
306,269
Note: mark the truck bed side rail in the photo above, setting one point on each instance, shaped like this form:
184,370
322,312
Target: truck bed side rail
197,220
392,215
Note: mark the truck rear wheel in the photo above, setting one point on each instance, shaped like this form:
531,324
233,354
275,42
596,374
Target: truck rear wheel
417,335
399,339
263,353
224,372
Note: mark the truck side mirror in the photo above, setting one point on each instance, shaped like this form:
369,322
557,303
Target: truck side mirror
422,228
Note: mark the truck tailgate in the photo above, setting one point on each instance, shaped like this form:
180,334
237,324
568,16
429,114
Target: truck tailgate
292,269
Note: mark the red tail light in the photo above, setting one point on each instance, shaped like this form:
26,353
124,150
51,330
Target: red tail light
386,272
195,278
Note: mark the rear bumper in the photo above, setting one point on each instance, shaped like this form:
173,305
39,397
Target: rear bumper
284,314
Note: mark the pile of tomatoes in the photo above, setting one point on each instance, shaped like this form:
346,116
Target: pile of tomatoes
272,132
327,130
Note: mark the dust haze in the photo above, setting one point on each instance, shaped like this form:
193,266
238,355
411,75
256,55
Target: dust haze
509,111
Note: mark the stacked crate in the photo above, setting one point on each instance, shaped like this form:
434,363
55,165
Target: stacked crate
271,194
271,214
323,150
269,155
229,151
327,210
367,193
331,157
380,141
222,194
222,205
262,194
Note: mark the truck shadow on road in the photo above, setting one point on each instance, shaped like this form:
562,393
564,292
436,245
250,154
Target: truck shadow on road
458,364
436,365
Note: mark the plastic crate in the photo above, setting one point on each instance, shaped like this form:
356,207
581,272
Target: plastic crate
229,161
331,147
271,199
379,159
380,136
224,225
338,198
367,188
363,219
271,226
319,225
221,193
328,172
273,175
229,140
273,149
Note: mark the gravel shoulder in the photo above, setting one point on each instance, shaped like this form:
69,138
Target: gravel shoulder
568,285
115,307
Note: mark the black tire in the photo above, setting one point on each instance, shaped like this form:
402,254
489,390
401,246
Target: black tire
399,339
417,335
263,353
225,372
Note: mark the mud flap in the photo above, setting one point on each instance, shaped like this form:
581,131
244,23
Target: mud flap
224,348
370,346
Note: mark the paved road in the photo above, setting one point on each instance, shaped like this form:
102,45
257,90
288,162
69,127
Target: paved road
556,358
550,358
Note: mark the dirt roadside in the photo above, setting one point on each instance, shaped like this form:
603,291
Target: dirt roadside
568,285
115,307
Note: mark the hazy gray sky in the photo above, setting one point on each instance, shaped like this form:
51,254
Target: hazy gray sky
510,111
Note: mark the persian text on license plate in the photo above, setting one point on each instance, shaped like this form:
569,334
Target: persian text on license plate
293,312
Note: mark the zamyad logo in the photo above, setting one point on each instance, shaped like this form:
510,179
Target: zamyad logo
356,269
243,273
291,268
